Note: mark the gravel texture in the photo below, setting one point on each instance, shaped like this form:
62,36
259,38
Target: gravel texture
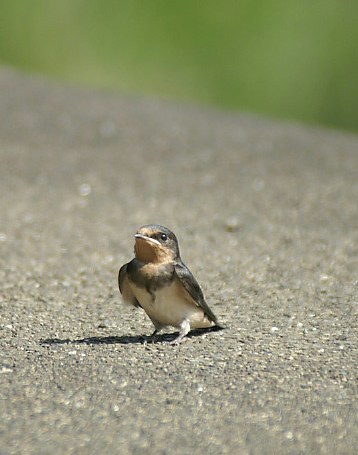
267,218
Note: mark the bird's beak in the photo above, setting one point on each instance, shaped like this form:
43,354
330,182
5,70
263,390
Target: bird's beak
146,239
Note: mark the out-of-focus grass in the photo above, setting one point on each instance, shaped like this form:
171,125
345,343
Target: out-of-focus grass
283,58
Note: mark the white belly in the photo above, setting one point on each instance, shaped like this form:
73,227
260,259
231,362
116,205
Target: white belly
170,307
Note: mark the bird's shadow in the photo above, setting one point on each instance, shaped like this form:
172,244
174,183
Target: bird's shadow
128,339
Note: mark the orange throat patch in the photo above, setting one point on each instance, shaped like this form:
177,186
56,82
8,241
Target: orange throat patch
147,252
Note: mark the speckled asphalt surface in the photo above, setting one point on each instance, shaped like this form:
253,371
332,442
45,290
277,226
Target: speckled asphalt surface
266,214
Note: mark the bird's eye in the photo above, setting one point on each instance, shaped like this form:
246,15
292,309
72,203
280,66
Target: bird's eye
163,237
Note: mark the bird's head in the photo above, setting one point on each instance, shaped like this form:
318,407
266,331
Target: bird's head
155,243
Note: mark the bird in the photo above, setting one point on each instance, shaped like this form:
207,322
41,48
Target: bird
158,281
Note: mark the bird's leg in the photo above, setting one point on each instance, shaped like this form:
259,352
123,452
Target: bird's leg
153,337
184,330
158,328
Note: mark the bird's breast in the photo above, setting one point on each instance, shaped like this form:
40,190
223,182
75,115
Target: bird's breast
150,276
170,306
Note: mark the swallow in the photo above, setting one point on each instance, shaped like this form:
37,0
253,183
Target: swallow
157,281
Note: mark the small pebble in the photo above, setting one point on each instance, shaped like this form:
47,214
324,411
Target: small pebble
5,370
84,189
232,224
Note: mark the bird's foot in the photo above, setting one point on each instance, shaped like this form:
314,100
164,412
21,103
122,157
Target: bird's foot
176,341
154,336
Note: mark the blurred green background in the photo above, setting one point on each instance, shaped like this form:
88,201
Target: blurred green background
282,58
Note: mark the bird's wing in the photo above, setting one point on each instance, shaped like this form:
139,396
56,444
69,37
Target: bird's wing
193,289
124,287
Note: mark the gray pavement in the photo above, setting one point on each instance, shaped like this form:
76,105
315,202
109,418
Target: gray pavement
267,218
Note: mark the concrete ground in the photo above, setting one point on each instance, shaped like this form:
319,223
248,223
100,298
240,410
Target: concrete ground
266,214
